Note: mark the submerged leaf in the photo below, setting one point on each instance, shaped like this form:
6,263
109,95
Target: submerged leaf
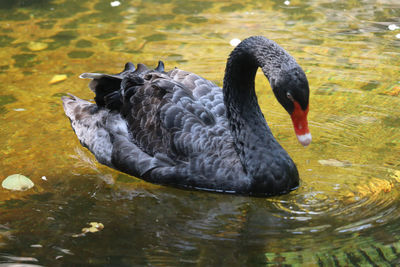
17,182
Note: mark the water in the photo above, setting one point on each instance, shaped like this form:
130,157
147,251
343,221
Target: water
346,211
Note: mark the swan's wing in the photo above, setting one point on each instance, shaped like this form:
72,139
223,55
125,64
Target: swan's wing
208,93
165,128
164,116
122,142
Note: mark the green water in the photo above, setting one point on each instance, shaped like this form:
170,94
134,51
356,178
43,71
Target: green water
346,211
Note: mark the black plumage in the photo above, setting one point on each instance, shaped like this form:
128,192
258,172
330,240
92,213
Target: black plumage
180,129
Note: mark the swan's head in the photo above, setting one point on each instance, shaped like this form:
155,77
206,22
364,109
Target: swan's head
291,89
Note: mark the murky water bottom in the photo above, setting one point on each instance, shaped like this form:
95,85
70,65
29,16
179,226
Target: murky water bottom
346,210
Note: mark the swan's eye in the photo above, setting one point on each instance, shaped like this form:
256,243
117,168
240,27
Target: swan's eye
289,95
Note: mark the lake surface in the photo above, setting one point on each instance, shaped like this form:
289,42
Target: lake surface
346,211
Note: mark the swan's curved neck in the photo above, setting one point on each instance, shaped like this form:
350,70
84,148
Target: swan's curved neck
254,141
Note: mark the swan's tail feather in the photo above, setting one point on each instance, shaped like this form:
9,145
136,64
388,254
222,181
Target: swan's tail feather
102,85
160,66
105,134
113,100
105,86
87,121
129,66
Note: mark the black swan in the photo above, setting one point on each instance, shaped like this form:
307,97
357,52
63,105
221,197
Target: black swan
177,128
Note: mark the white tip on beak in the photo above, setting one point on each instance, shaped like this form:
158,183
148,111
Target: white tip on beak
304,139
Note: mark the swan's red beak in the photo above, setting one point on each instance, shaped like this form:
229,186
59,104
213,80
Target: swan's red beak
300,123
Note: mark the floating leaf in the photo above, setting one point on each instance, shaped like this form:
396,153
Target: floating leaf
396,175
334,162
94,227
37,46
375,187
17,182
58,78
394,91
